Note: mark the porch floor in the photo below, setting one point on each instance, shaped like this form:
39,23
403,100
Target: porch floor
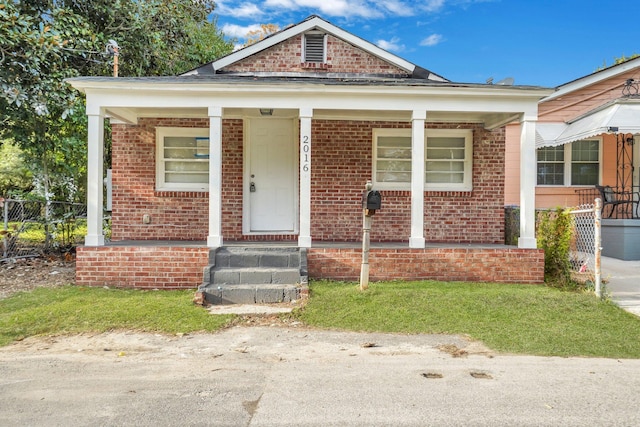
323,245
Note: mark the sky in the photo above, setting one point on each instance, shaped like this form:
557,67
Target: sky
535,42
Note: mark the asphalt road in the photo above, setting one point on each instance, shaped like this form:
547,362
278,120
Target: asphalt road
273,376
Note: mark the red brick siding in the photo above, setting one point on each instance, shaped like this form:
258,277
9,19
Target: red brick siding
163,267
508,265
342,163
175,215
149,267
342,57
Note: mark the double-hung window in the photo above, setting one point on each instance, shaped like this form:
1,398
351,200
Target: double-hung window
182,160
577,163
448,159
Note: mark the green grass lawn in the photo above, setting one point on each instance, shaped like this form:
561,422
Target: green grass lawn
522,319
76,309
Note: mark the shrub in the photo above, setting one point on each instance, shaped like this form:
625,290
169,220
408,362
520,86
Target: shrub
554,236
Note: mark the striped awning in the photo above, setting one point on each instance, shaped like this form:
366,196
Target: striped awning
619,116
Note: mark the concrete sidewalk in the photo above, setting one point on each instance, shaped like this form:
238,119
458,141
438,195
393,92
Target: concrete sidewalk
622,283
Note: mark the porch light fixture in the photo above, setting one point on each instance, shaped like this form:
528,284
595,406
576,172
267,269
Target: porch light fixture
266,111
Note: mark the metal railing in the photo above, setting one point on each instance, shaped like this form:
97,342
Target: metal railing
617,202
31,228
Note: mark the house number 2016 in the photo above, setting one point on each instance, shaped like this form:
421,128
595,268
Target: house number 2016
306,148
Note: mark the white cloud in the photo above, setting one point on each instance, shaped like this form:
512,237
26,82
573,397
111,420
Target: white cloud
238,31
257,9
397,7
392,45
343,8
432,5
244,10
432,40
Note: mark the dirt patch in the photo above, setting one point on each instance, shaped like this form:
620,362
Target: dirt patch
25,274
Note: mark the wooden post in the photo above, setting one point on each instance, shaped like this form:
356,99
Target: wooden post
366,228
116,54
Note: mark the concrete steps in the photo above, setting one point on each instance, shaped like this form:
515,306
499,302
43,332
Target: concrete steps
255,275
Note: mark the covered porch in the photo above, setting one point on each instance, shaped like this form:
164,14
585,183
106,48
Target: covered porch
313,108
447,229
617,124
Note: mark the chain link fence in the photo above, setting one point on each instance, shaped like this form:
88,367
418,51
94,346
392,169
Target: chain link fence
32,228
586,244
584,254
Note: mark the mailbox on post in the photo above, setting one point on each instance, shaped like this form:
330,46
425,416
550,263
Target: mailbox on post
374,200
371,201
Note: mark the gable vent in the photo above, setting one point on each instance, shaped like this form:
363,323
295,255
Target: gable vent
314,47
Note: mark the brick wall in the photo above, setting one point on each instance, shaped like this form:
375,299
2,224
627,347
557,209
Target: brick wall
341,58
164,267
151,267
341,164
503,265
175,215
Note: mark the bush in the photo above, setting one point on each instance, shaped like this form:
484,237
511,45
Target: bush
554,236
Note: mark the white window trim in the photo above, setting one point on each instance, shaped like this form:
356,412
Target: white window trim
467,134
567,166
467,185
161,134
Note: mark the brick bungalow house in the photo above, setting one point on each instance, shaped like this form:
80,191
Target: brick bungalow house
588,135
271,146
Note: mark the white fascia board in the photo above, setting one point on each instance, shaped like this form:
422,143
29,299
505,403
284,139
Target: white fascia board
594,78
367,46
123,88
313,23
308,96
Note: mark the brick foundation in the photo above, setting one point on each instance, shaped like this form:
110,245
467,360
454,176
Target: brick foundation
172,267
142,267
502,265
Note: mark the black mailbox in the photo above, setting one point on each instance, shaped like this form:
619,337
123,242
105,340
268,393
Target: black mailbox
374,200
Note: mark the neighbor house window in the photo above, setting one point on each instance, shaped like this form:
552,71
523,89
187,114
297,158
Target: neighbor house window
577,163
182,159
551,166
448,159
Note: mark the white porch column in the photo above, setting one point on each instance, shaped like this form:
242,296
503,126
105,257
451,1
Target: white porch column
417,179
95,170
304,237
527,184
214,239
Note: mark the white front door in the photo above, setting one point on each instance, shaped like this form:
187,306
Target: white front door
270,176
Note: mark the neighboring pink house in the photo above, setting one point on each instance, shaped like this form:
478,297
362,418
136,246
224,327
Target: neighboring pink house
273,144
587,134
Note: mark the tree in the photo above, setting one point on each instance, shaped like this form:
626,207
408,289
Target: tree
14,175
46,41
618,60
265,30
